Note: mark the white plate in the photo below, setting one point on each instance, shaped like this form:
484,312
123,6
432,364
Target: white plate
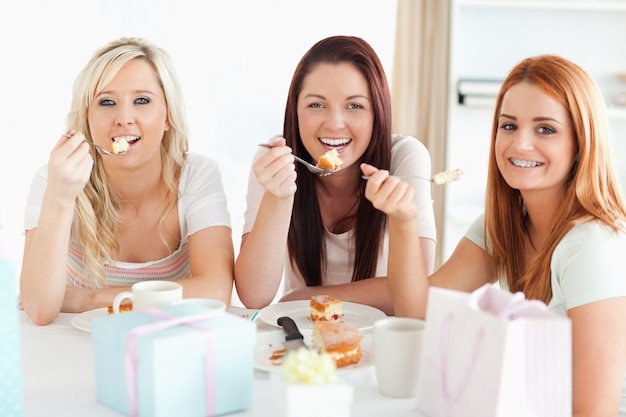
264,352
82,321
357,315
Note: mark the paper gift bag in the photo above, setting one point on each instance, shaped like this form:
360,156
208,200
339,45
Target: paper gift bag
494,354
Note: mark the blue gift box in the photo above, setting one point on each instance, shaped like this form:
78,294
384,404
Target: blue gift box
170,376
10,356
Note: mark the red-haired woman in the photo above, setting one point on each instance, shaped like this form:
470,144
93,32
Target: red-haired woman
553,225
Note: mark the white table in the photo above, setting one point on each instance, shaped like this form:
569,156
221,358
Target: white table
59,380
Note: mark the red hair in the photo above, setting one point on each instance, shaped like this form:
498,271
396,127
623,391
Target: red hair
591,192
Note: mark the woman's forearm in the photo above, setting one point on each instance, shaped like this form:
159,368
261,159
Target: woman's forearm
44,266
406,271
260,264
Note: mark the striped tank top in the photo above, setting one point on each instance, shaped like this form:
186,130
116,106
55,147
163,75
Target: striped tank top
123,274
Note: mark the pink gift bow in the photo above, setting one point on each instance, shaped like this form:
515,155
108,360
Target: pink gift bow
137,332
515,307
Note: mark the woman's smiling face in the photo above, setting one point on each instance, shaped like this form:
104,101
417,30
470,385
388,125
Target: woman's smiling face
535,146
335,112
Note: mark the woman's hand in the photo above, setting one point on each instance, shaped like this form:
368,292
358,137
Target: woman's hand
259,265
44,265
77,300
388,194
275,170
406,271
69,168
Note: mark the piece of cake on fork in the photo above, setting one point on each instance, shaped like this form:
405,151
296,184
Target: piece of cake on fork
330,161
120,145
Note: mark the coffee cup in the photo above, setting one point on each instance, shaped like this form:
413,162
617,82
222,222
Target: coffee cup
397,351
150,294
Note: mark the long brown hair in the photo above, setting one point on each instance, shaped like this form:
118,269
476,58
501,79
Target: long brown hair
305,241
591,192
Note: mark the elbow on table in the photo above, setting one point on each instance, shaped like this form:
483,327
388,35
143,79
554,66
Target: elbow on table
41,316
253,298
410,310
253,303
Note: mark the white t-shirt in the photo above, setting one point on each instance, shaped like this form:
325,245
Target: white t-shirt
587,265
201,204
408,157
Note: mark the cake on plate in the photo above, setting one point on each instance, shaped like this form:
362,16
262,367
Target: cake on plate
124,308
340,340
325,308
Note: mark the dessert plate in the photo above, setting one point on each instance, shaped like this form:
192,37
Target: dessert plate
357,315
82,321
268,355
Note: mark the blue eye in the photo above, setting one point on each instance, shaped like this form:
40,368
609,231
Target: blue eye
106,102
142,100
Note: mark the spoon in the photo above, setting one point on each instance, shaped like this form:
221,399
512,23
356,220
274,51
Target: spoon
314,169
441,178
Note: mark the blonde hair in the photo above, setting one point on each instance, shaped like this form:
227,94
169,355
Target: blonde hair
591,192
97,206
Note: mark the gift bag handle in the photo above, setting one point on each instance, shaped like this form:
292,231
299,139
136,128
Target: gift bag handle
452,398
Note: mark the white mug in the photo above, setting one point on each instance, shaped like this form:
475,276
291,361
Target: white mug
150,294
397,351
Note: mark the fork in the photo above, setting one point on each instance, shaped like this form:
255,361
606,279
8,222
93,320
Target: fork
442,178
100,149
404,177
314,169
104,151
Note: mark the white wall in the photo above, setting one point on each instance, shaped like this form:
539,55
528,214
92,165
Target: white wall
235,59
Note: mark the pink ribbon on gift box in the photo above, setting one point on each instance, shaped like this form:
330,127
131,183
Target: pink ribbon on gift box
169,322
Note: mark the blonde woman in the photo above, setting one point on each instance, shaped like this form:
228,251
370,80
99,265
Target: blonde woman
95,224
553,226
